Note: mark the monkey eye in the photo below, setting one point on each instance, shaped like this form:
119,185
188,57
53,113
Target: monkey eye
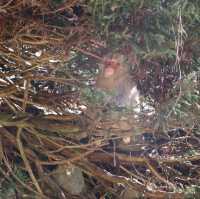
111,63
108,62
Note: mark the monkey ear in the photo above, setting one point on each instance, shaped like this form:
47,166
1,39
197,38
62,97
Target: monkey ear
108,72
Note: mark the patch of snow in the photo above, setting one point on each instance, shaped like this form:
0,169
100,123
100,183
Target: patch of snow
28,63
54,60
10,49
38,53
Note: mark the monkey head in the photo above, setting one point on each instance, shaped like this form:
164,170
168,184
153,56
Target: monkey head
115,77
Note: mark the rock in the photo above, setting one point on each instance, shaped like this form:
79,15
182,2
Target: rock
70,178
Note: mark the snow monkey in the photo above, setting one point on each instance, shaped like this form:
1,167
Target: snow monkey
115,77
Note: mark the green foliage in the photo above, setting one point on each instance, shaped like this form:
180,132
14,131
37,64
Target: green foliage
21,174
192,192
57,1
187,104
149,26
8,186
94,96
190,93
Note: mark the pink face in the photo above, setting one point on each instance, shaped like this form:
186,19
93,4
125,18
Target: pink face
109,71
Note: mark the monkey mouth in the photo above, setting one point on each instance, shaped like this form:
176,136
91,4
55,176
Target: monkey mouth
109,71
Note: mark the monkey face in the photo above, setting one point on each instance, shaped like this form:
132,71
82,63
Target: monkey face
109,72
112,74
